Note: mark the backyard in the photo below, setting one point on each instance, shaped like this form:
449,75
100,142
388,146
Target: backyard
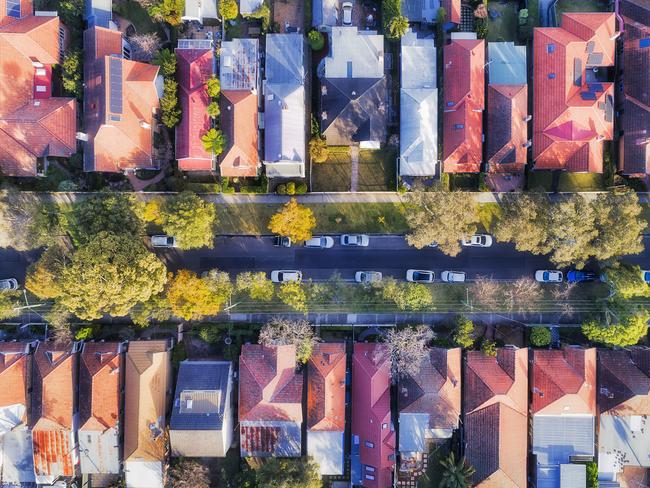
580,6
567,182
502,21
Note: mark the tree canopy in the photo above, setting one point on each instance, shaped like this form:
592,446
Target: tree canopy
44,276
288,473
299,333
540,336
228,9
257,285
627,331
190,219
626,281
407,296
293,295
294,221
9,300
407,349
191,297
464,333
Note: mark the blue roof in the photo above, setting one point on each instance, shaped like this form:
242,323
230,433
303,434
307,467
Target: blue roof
506,63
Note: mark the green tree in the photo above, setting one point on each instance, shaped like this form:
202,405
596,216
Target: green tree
152,210
464,333
43,276
318,151
214,141
109,275
228,9
572,231
190,219
169,11
397,27
629,329
316,40
592,475
489,348
288,473
166,59
9,301
294,221
72,73
157,308
47,225
626,281
263,12
188,473
456,474
407,296
299,333
191,297
220,284
292,294
114,213
257,285
213,110
171,113
86,333
213,87
408,349
540,336
525,221
442,217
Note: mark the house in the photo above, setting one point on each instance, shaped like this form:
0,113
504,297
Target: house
198,11
147,388
249,6
634,140
354,90
496,417
202,423
418,107
239,113
429,405
507,108
326,378
285,116
623,399
270,401
194,66
373,433
53,412
464,92
34,125
100,386
426,11
563,406
325,14
16,462
120,100
574,92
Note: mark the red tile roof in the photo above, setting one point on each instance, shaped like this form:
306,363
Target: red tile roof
452,8
14,362
239,124
624,381
32,125
496,412
194,68
371,419
52,410
464,91
507,128
326,388
133,127
435,390
26,8
564,381
99,386
570,115
269,387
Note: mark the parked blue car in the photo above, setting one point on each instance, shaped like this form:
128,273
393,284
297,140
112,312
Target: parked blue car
575,276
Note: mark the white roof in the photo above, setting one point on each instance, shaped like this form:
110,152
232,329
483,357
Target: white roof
99,451
418,62
355,54
143,474
327,449
573,475
412,432
199,10
238,65
16,462
249,6
622,441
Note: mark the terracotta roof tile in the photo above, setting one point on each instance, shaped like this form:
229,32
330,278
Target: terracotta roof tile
452,8
326,388
507,128
239,124
14,363
99,385
624,381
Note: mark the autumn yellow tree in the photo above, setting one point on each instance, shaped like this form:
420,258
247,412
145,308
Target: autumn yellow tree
191,297
294,221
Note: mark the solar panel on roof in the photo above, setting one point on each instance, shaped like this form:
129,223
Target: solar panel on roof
644,42
587,95
115,82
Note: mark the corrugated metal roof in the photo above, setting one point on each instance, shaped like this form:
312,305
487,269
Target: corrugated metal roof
264,439
53,455
239,64
327,449
16,462
573,475
366,59
285,59
506,63
412,428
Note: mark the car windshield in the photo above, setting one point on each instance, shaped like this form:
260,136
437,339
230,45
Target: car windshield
546,275
480,239
420,276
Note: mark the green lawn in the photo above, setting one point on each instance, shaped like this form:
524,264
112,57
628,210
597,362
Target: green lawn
504,27
581,182
540,180
331,176
377,170
133,12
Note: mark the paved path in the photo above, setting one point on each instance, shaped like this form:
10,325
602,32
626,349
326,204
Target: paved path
354,158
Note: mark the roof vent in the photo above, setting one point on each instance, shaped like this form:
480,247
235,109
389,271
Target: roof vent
155,431
323,115
323,90
145,125
37,103
538,392
528,143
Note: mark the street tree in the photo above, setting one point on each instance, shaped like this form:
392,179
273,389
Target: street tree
522,294
43,277
525,222
626,331
293,295
407,349
442,217
486,293
281,332
288,473
220,284
228,9
9,301
189,218
108,275
256,284
188,473
294,221
26,222
464,332
191,297
626,281
152,210
157,309
407,296
456,474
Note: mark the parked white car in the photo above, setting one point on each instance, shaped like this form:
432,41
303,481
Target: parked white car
420,276
367,276
322,242
285,275
355,240
8,284
453,276
645,274
477,240
163,241
347,12
549,276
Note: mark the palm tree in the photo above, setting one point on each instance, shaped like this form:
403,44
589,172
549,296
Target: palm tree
398,26
456,475
214,141
213,109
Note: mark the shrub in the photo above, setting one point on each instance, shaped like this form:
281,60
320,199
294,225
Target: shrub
171,113
316,40
489,348
209,334
291,188
213,87
86,333
464,333
72,73
540,336
166,59
318,151
301,188
263,12
228,9
281,189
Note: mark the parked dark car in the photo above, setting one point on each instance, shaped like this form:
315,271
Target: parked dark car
575,276
282,241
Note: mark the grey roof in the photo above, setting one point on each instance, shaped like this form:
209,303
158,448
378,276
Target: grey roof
98,13
324,13
366,60
238,66
573,475
285,59
99,452
420,10
555,439
506,63
623,441
16,462
327,448
412,429
202,390
418,68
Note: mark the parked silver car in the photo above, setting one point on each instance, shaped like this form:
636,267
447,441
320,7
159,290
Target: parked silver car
420,276
453,276
8,284
367,276
355,240
322,242
285,275
477,240
163,241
